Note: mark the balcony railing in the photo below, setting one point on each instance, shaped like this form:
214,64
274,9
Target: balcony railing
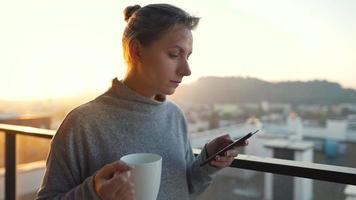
336,174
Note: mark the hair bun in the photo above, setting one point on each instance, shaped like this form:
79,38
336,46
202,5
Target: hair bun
130,10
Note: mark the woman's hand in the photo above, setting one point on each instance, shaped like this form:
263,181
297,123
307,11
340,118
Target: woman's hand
112,182
218,143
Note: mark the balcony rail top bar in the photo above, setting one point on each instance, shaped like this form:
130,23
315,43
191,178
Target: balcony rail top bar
336,174
26,130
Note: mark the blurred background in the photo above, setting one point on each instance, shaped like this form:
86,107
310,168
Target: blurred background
286,67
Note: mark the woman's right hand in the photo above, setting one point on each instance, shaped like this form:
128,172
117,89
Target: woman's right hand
112,182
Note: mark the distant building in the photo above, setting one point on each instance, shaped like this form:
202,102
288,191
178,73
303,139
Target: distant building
270,107
227,109
351,122
311,108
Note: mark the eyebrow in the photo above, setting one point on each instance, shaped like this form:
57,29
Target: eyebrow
180,48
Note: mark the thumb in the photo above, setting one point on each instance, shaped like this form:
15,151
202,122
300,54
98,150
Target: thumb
225,138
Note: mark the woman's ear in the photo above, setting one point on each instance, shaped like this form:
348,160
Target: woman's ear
135,52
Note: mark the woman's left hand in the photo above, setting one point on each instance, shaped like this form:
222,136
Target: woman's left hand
219,143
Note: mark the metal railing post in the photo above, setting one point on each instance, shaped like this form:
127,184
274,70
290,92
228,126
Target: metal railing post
10,166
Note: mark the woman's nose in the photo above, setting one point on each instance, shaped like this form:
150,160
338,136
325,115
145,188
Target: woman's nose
184,69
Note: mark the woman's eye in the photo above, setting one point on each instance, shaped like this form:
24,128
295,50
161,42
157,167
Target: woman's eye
171,55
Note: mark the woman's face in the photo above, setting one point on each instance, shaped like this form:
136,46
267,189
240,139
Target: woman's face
164,63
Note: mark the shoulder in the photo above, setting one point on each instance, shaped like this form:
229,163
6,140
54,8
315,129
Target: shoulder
172,106
70,125
179,115
91,111
77,123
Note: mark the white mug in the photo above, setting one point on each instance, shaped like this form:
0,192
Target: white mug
146,174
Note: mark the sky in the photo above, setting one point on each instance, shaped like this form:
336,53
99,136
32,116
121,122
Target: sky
60,48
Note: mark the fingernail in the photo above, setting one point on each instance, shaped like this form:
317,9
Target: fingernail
116,174
124,178
128,174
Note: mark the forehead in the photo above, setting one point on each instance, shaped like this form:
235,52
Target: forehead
178,35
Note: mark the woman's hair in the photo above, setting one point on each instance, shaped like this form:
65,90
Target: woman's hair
147,24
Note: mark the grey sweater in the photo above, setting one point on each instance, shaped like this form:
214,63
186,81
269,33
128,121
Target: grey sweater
117,123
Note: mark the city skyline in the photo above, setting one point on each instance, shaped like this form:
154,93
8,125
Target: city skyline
55,49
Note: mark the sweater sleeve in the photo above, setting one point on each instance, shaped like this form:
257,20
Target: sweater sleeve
63,179
199,178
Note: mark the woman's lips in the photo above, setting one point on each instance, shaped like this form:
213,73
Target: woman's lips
176,83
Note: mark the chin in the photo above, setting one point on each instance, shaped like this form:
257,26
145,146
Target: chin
169,91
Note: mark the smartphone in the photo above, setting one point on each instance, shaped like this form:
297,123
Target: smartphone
228,147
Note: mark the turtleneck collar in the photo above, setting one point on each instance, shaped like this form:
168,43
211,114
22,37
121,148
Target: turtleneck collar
120,90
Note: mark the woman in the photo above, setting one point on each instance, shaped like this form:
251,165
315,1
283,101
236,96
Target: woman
135,116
